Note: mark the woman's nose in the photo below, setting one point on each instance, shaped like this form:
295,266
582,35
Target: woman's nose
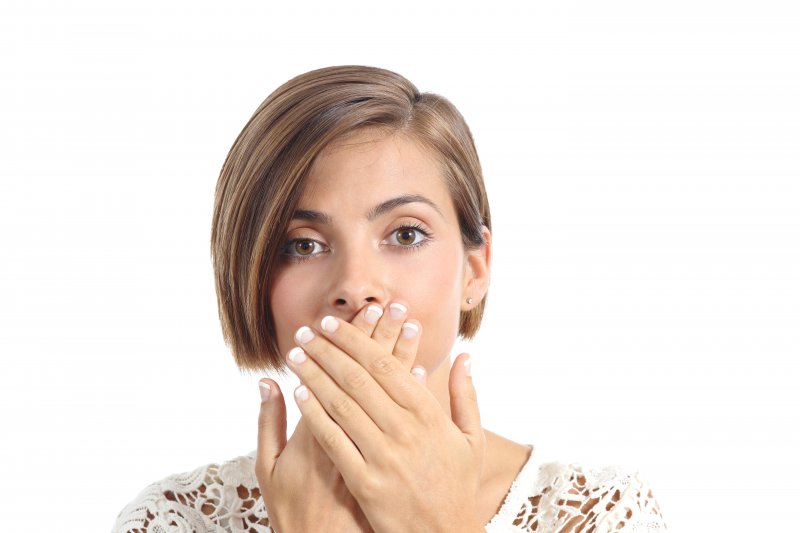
357,279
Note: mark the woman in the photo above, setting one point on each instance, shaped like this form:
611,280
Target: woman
352,243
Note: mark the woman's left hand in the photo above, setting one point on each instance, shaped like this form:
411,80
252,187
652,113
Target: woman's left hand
409,466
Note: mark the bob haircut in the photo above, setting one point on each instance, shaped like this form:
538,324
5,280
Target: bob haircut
264,173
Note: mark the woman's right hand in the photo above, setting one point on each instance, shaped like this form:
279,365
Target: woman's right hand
301,487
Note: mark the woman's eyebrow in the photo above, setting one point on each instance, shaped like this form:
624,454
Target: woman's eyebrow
381,208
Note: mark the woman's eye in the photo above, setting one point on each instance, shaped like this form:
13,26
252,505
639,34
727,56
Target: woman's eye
406,236
302,248
409,236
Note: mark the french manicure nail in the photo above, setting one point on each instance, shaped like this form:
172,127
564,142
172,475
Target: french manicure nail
330,324
303,335
372,314
419,373
410,330
397,310
297,355
301,393
468,366
265,390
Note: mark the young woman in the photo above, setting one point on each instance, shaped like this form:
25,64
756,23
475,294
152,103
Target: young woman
352,243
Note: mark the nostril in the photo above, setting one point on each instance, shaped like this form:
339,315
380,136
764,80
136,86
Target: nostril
368,300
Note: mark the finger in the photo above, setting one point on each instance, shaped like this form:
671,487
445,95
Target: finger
367,318
345,409
464,401
388,327
271,429
392,331
405,349
341,450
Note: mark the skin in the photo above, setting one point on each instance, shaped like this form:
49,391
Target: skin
369,427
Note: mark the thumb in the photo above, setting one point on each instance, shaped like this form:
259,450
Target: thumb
271,429
464,400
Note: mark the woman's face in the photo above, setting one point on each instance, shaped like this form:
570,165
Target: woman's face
375,224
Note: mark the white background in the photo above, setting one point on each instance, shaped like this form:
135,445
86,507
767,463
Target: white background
643,169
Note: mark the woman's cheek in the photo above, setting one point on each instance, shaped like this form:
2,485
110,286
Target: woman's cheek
434,297
287,291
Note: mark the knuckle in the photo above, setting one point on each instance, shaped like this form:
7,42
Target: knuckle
342,407
356,379
330,441
264,421
384,365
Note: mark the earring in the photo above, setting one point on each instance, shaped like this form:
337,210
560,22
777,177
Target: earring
469,301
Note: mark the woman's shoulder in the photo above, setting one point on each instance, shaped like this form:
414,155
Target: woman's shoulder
214,497
557,496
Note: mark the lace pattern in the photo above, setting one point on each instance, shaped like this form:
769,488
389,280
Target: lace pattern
551,497
213,498
572,498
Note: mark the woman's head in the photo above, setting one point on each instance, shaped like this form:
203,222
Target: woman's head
301,152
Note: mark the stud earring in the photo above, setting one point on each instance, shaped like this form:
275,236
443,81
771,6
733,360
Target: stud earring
469,301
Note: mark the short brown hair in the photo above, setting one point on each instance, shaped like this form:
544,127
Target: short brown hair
263,176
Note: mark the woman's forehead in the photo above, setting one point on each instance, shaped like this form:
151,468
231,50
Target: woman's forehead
371,168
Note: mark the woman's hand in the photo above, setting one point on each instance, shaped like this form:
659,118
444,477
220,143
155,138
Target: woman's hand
301,487
409,466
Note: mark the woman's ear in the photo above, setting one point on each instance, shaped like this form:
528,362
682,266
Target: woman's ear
477,270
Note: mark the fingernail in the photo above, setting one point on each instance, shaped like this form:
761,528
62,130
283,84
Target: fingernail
301,393
410,330
265,390
468,366
372,314
397,311
419,373
297,355
303,335
330,324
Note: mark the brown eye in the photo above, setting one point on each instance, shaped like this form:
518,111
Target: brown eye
304,247
406,236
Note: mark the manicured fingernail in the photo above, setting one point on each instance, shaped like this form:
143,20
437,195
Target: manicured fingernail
372,314
301,393
468,366
419,373
303,335
265,389
297,355
410,330
397,311
330,324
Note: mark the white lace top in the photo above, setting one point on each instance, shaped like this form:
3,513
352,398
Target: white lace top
544,498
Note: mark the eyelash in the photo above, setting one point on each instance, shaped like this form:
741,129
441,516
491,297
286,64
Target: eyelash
406,248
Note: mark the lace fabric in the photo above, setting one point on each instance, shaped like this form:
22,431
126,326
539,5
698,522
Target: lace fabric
544,498
568,498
